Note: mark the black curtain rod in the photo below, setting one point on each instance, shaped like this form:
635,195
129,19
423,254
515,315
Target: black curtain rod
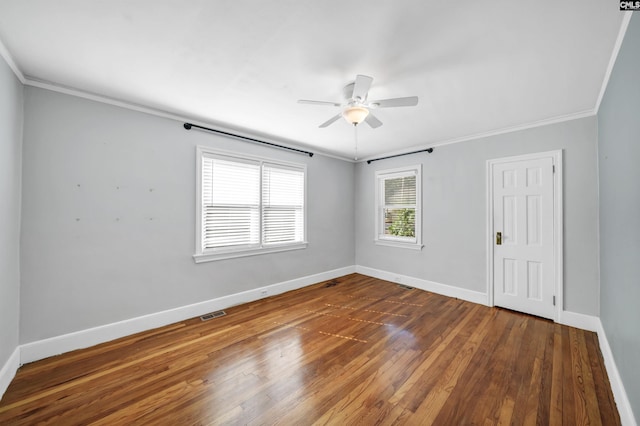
188,126
429,150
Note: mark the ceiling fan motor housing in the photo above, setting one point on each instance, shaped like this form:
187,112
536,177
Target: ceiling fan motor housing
347,92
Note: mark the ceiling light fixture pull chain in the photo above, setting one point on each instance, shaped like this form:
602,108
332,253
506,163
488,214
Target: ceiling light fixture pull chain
355,133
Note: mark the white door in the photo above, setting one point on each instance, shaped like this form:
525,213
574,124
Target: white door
523,236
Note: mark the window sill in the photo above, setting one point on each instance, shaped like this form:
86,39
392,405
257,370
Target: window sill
399,244
232,254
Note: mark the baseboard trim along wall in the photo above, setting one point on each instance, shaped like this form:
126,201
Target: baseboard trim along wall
41,349
591,323
617,387
432,286
8,371
574,319
571,319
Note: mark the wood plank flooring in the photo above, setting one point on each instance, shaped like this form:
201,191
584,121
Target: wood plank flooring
355,350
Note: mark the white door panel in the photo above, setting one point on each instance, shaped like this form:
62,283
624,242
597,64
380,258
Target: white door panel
523,213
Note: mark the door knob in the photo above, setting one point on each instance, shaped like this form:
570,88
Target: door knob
498,238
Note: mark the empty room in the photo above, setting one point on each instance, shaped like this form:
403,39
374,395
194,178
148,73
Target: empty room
374,213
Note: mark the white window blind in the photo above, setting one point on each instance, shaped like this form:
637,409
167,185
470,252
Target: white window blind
283,204
231,203
248,206
398,200
399,208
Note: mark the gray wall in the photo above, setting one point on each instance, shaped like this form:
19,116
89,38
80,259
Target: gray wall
454,210
11,113
619,164
109,217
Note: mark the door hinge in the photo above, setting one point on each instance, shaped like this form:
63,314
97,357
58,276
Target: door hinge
553,168
554,301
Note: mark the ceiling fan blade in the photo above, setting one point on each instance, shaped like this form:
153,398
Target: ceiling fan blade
306,101
330,121
373,121
361,87
395,102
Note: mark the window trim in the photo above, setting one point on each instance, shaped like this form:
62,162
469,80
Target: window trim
379,237
214,254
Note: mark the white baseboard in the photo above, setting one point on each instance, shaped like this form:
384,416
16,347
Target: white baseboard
574,319
41,349
591,323
619,394
434,287
9,369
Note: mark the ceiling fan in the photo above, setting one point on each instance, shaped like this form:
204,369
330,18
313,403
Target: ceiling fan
356,108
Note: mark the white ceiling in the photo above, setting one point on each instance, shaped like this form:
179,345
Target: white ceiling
477,66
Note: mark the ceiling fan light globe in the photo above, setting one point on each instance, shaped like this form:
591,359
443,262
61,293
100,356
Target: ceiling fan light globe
355,114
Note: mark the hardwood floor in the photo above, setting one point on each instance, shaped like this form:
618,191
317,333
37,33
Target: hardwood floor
355,350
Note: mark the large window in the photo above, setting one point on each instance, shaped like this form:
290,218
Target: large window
248,206
398,205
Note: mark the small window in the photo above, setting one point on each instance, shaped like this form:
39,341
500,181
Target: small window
398,205
248,206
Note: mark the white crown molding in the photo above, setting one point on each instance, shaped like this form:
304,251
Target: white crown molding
4,52
510,129
72,91
8,370
29,81
614,55
165,114
41,349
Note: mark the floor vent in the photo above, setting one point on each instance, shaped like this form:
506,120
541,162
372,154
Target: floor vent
406,287
213,315
331,283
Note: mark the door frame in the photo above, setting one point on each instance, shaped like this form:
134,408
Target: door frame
558,245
